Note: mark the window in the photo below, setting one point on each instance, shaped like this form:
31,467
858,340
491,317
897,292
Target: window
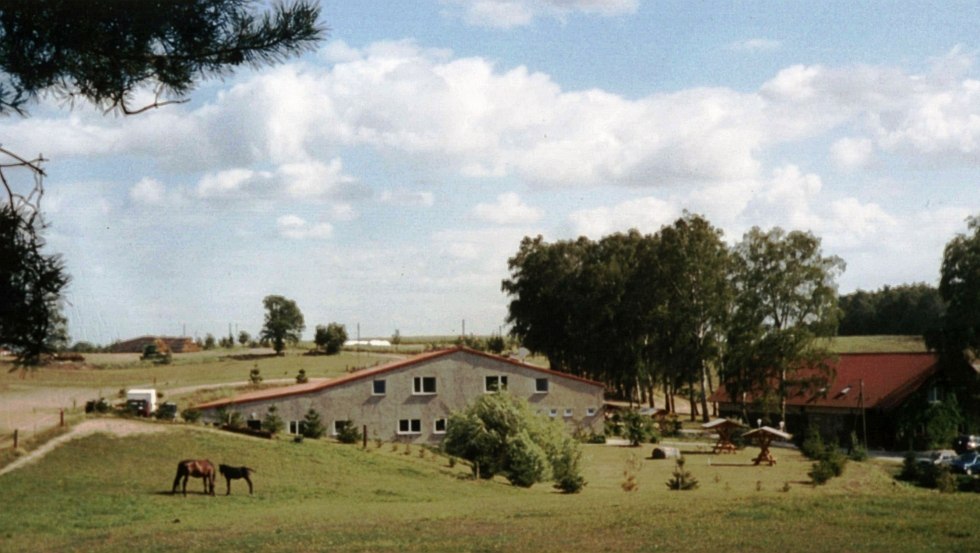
495,384
933,395
340,426
295,427
568,412
378,388
424,385
553,413
439,427
410,426
590,411
541,385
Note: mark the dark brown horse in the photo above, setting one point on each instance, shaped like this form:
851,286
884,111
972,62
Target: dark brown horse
234,473
198,468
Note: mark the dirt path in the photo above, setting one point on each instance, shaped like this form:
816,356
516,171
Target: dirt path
116,427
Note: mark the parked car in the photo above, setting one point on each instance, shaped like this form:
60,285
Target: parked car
940,457
967,463
966,442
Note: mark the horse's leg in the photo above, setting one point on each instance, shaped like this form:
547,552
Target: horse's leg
184,488
249,480
227,486
176,483
211,483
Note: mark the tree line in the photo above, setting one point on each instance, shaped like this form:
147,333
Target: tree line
678,310
682,312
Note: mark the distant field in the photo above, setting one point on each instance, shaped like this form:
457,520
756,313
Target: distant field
877,344
112,494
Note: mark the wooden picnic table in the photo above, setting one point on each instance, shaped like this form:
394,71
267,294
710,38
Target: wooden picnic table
763,438
725,428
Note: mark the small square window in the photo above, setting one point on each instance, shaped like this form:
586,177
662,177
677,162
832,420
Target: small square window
410,426
568,413
553,413
439,427
541,385
379,388
495,384
423,385
295,427
590,411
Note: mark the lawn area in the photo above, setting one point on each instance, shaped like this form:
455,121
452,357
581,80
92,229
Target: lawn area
103,493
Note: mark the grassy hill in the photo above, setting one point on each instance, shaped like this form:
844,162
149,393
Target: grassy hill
877,344
104,493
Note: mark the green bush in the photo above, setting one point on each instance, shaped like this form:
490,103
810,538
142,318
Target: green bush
946,481
190,415
636,428
273,422
499,434
312,426
822,471
911,468
812,446
348,432
682,479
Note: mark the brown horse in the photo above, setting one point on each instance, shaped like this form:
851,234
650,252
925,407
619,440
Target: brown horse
200,468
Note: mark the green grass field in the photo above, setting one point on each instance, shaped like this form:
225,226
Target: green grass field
103,493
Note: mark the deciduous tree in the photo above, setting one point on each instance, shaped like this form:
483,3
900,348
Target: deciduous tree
283,322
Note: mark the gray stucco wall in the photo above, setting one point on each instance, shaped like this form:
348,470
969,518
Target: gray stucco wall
460,378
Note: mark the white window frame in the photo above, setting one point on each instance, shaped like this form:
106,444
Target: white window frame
553,412
590,411
568,412
295,427
501,380
417,423
435,426
374,389
418,386
547,386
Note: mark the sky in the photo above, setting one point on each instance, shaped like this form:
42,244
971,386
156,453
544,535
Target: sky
383,180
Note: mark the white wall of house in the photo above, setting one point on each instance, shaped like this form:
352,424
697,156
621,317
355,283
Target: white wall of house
401,404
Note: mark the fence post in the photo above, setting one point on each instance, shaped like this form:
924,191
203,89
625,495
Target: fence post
15,438
62,422
364,437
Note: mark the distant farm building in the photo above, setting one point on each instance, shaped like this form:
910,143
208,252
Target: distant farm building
411,400
865,390
162,343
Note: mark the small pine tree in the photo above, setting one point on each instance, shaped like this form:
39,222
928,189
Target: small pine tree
301,377
629,473
822,471
312,426
682,479
812,446
348,433
273,422
255,376
636,428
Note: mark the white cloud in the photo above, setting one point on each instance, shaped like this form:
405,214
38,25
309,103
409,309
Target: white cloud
852,153
296,228
506,14
756,45
147,191
508,210
408,197
230,183
644,214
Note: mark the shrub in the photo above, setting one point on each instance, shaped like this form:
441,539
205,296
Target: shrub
312,426
629,473
301,377
272,422
255,376
682,479
636,428
499,434
671,426
812,446
822,472
348,432
911,468
946,481
190,415
836,459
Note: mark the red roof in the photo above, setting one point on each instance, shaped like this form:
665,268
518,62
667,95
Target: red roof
298,389
876,380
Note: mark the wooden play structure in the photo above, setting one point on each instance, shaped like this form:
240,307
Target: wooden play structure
725,428
763,438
